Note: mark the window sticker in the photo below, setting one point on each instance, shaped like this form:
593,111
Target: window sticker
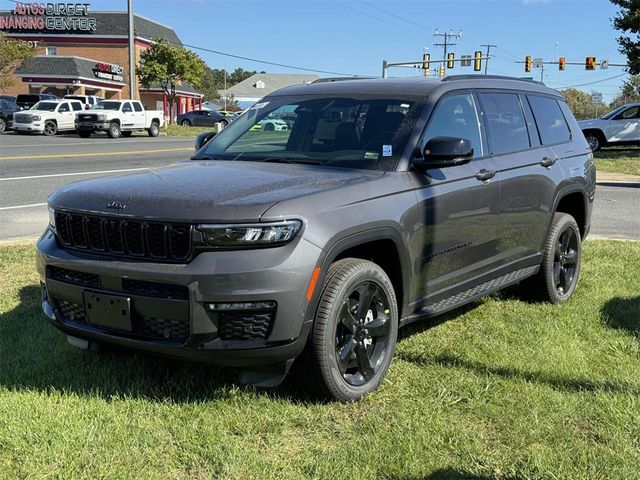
387,150
371,155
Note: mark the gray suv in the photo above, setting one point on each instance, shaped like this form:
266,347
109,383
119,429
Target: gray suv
387,202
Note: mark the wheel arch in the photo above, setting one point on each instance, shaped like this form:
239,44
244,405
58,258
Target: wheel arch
596,131
383,246
574,202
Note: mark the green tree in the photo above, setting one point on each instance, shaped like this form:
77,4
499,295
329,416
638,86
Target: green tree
629,92
12,54
169,66
580,104
628,21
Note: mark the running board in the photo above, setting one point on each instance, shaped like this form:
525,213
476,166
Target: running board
473,293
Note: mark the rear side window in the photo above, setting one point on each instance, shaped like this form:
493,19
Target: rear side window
551,123
506,122
76,106
137,107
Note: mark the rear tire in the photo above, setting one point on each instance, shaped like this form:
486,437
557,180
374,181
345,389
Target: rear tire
114,130
354,333
3,125
186,123
154,129
269,127
50,128
559,271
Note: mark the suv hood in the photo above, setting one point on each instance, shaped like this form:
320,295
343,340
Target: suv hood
205,191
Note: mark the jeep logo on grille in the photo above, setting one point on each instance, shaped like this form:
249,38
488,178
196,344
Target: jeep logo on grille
116,205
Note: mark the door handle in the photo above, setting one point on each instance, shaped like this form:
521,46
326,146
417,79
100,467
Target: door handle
547,162
485,174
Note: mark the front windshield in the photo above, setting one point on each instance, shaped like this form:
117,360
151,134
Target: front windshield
45,106
365,132
106,105
613,113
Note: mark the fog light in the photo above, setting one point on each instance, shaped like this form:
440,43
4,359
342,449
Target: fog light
241,306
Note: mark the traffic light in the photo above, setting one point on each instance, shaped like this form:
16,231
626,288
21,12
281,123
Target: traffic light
528,63
477,61
425,63
590,63
441,71
562,63
450,60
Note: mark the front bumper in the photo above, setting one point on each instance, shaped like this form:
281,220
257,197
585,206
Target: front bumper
278,275
92,126
36,127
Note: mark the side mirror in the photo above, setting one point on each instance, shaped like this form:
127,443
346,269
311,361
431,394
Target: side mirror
203,139
444,152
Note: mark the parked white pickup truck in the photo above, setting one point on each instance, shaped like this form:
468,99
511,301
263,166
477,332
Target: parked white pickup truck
48,117
119,117
619,127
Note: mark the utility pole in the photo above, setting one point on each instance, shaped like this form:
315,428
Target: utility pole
132,53
489,47
448,42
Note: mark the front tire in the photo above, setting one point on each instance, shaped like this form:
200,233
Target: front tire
595,140
50,128
114,130
558,276
355,331
186,123
3,125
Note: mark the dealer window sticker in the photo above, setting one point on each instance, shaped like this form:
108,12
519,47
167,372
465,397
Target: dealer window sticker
371,155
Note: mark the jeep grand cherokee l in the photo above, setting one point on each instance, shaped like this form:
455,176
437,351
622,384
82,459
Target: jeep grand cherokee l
389,201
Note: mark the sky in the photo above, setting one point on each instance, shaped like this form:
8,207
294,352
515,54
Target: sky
355,36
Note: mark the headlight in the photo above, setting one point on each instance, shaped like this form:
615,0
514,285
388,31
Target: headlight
52,219
102,117
249,235
36,117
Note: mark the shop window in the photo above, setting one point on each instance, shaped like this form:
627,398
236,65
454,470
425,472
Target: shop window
51,51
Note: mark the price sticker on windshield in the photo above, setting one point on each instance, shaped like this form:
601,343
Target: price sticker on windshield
387,150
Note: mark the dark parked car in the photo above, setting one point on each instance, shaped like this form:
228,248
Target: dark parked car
387,202
8,98
202,118
7,109
28,100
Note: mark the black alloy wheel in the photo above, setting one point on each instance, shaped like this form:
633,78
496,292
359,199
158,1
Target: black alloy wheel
565,261
362,334
354,333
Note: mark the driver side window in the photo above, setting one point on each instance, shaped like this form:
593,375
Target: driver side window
455,116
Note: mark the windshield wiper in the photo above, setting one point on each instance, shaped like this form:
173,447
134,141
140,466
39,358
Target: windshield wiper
306,161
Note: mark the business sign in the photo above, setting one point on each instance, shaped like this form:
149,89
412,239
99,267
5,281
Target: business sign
596,98
107,71
58,17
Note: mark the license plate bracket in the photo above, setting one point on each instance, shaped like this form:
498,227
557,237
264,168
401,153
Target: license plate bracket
110,311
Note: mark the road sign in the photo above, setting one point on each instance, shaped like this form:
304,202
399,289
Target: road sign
596,98
604,64
465,60
538,63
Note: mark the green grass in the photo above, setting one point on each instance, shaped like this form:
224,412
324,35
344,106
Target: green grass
500,389
180,131
619,160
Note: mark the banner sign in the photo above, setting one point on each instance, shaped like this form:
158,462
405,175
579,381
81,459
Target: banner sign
107,71
49,16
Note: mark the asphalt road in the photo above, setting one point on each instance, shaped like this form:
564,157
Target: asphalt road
32,167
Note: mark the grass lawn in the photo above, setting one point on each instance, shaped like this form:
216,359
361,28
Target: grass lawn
500,389
180,131
619,160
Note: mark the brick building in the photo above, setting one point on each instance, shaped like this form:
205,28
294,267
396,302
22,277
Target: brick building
85,52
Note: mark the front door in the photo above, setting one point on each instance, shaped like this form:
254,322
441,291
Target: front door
625,127
455,238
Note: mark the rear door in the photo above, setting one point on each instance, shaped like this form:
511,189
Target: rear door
66,116
625,127
456,236
139,115
76,107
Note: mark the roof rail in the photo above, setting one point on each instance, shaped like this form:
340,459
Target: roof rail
488,77
340,79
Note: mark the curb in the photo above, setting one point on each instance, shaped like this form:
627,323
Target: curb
625,184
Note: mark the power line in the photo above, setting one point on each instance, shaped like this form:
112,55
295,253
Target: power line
366,14
594,82
399,17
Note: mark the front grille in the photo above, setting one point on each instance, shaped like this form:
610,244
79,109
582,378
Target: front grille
162,329
22,118
144,327
124,237
73,276
87,117
154,289
245,325
70,310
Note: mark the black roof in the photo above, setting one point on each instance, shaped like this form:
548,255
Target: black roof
110,24
59,65
414,86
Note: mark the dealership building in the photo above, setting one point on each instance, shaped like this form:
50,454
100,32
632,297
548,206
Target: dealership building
79,51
